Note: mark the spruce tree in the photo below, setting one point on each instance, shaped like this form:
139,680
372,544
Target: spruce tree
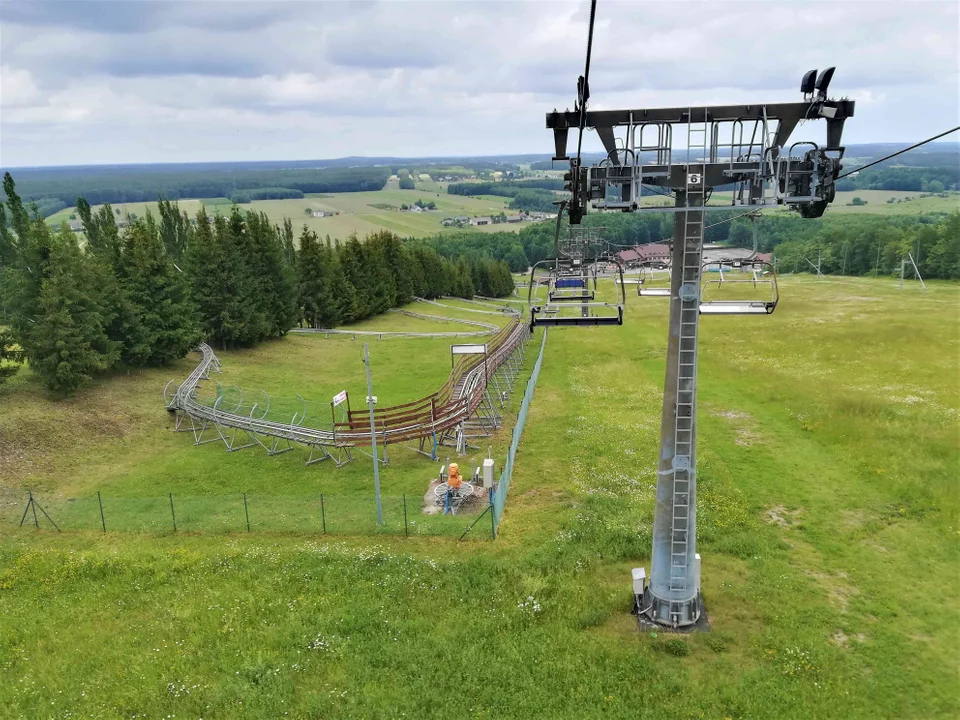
345,308
273,281
67,343
310,280
174,229
353,266
167,323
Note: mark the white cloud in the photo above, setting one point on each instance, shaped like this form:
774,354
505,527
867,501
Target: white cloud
175,81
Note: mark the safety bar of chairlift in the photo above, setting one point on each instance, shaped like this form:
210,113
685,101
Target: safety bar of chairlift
591,320
560,296
742,307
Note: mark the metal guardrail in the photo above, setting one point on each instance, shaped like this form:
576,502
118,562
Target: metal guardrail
456,400
503,485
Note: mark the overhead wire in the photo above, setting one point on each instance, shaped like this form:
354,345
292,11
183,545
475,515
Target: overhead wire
847,174
899,152
585,89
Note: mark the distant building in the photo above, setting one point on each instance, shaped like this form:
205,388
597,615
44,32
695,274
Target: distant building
461,219
514,218
320,213
647,254
75,225
481,221
424,176
447,222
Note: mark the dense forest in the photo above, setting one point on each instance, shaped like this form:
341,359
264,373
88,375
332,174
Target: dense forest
54,191
147,294
848,243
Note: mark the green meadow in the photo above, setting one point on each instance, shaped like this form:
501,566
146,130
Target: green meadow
357,212
829,448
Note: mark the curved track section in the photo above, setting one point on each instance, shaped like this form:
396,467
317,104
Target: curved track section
436,416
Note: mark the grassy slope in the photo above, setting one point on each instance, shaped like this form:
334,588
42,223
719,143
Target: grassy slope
828,528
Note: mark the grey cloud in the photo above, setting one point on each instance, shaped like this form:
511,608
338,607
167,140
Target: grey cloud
478,73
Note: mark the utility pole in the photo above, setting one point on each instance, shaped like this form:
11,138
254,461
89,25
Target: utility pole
373,436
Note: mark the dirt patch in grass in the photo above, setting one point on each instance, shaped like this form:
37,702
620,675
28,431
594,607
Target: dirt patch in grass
782,517
838,587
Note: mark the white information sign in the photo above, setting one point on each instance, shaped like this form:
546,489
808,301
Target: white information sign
340,397
468,349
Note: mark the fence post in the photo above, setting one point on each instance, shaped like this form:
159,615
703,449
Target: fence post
173,514
103,523
405,530
246,512
493,516
323,515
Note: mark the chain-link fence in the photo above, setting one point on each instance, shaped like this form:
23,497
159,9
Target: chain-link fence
332,514
500,495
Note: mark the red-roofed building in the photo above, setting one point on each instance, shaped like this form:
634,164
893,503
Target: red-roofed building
655,254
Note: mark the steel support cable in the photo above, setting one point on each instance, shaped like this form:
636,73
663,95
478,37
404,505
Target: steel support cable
899,152
585,90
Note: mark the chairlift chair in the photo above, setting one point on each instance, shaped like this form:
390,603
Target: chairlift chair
593,312
767,276
644,289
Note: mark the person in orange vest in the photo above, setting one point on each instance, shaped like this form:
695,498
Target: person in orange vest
453,485
454,481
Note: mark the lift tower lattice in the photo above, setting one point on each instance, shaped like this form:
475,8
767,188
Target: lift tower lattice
742,146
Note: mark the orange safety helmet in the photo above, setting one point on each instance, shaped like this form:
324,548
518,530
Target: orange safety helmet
454,479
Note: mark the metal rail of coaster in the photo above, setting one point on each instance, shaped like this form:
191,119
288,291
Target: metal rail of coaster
440,417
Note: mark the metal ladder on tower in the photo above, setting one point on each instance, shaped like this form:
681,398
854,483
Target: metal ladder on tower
684,431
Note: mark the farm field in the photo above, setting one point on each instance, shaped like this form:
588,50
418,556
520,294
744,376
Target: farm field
827,465
360,212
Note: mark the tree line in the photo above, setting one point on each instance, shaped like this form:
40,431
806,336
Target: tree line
916,179
146,294
111,185
935,238
530,195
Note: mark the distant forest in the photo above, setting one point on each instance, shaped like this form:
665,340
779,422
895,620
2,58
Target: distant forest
53,191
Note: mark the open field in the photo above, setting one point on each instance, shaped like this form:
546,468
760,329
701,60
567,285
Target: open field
360,212
828,459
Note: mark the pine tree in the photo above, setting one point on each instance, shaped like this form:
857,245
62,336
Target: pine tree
248,318
310,281
353,265
8,242
273,281
344,308
19,217
379,275
175,229
167,323
67,343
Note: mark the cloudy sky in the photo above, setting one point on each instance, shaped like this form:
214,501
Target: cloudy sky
129,81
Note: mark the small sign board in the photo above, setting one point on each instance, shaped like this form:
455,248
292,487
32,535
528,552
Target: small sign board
695,178
468,349
339,398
